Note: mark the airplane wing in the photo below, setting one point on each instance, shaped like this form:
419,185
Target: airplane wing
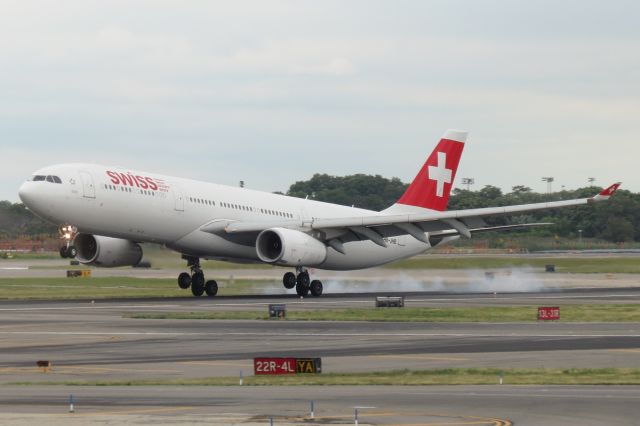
422,226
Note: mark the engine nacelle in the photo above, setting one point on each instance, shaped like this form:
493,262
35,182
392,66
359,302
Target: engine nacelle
106,251
289,247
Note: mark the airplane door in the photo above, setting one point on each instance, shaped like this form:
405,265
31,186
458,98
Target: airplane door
88,189
178,198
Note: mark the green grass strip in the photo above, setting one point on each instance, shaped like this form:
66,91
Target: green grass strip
458,376
568,313
113,287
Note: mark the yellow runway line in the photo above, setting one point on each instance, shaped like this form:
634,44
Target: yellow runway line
488,422
33,369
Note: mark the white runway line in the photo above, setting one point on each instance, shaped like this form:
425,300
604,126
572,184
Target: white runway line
68,308
575,393
498,297
386,335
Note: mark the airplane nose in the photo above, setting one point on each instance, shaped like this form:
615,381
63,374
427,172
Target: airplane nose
25,192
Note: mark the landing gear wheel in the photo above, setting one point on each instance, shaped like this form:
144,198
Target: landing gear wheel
289,280
184,280
302,290
316,288
303,279
302,284
63,252
211,288
197,284
72,252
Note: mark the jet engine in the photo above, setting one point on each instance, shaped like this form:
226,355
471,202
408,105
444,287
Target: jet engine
106,251
289,247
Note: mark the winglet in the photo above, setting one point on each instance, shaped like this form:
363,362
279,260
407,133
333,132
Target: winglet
607,192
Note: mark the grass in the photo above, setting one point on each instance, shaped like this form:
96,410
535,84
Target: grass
628,265
110,287
568,313
457,376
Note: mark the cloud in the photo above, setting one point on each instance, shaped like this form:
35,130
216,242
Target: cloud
228,91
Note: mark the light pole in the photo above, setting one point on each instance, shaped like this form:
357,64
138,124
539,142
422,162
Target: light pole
468,182
591,180
549,180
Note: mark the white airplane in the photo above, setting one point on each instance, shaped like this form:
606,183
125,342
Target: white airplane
115,209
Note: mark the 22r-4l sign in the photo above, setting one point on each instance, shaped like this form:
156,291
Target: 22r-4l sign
263,366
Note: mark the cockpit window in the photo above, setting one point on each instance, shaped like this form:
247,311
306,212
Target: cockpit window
49,178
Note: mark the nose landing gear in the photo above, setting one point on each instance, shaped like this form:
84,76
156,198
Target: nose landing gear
196,280
67,234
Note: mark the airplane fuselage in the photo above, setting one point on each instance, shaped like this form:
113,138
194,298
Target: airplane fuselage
146,207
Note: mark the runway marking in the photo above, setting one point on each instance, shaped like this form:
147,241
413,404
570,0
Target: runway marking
271,334
498,298
19,370
625,350
420,357
596,394
473,420
66,369
71,368
91,307
217,363
140,411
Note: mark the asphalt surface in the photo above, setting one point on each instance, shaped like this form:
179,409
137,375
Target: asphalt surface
397,405
94,341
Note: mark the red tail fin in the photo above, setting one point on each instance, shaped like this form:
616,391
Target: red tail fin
431,187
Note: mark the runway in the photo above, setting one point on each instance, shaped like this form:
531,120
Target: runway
571,295
94,341
381,405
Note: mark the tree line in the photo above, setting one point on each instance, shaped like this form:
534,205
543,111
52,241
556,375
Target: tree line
617,220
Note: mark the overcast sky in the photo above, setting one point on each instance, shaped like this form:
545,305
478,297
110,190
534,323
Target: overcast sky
271,92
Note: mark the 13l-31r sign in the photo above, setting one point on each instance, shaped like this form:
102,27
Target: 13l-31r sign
548,313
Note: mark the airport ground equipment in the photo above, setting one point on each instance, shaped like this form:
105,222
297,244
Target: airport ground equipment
390,302
277,310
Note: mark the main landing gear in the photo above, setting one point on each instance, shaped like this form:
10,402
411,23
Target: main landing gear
302,283
196,279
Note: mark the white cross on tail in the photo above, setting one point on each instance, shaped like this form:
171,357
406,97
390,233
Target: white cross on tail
440,173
